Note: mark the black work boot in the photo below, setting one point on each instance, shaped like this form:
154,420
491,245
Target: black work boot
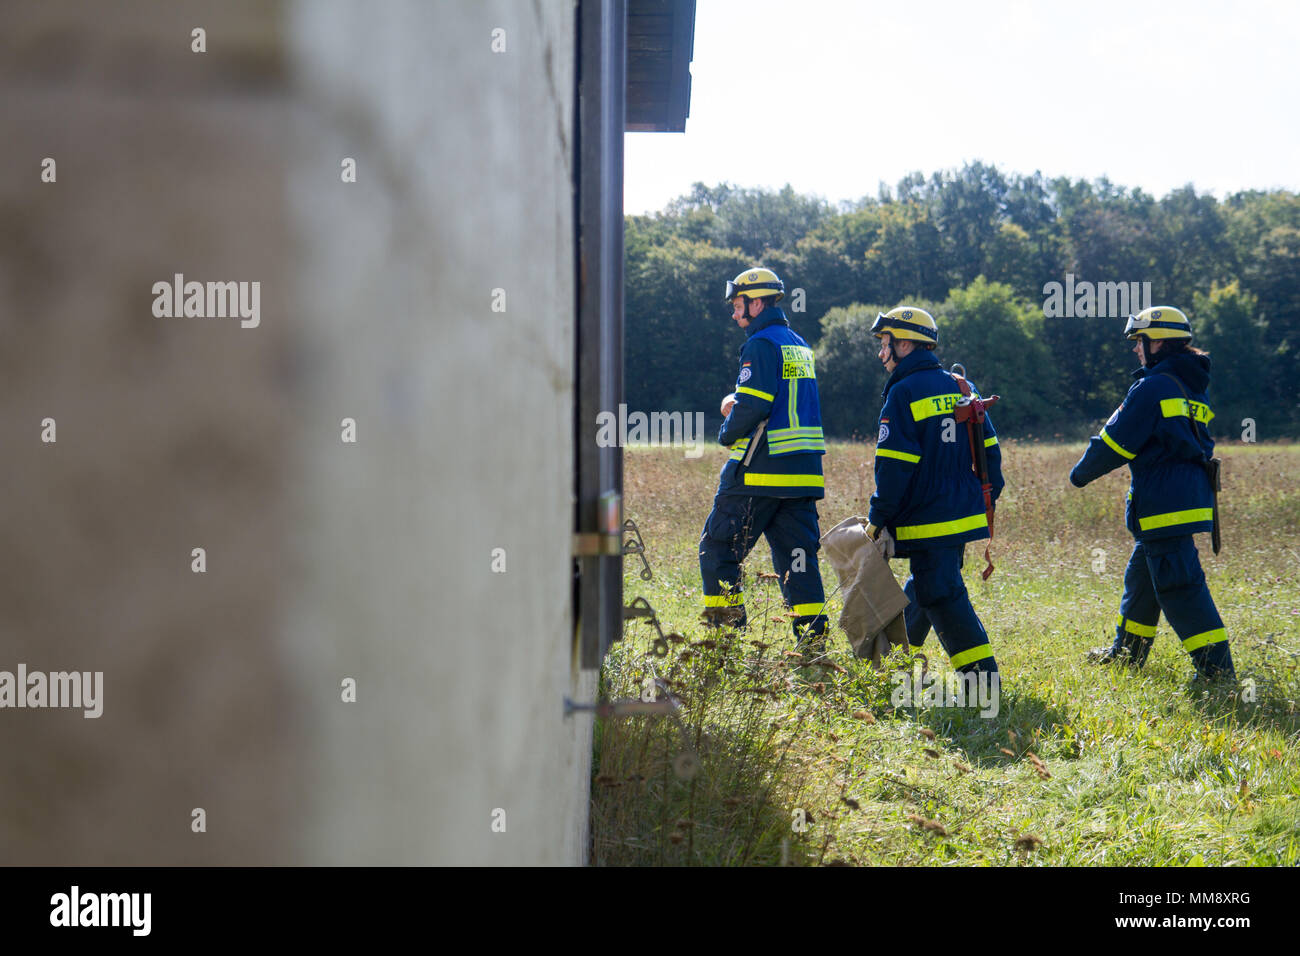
1127,649
728,617
1214,666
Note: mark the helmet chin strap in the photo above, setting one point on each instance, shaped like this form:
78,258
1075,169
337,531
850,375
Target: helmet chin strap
1145,342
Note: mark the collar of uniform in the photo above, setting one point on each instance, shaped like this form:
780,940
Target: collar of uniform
913,361
1193,370
769,317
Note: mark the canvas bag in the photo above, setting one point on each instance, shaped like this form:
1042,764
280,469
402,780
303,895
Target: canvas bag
873,602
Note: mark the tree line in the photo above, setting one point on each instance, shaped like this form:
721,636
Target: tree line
980,250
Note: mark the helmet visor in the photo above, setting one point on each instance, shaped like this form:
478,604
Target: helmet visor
1135,325
878,327
767,288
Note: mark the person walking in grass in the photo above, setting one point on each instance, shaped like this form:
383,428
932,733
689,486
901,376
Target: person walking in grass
1160,431
928,502
772,480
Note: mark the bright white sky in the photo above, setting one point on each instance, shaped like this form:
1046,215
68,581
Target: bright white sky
1150,93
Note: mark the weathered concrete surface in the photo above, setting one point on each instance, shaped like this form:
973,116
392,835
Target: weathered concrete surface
326,560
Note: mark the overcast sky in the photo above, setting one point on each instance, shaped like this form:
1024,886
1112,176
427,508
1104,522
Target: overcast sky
1150,94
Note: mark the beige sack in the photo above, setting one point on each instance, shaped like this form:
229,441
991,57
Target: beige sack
873,602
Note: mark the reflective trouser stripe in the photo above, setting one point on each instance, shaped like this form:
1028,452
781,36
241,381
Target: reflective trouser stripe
990,442
1207,637
941,528
1116,446
1175,517
971,655
785,481
724,600
900,455
809,610
1133,627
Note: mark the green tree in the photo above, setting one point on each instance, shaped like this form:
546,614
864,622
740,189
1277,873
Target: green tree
1226,322
680,343
998,338
849,375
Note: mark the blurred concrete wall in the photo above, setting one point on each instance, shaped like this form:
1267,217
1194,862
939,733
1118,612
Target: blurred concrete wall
326,560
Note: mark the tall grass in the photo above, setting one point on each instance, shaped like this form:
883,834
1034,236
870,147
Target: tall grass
1081,765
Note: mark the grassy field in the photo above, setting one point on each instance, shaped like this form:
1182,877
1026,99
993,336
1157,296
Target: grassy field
1082,765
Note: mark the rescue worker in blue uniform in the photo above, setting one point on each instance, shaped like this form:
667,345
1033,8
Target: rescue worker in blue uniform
1160,432
770,489
928,500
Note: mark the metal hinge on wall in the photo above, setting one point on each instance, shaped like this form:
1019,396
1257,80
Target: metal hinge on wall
607,539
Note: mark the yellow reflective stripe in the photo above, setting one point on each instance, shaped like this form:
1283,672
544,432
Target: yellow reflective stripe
785,481
934,405
941,528
793,389
1115,445
990,442
778,434
1177,408
800,444
783,441
972,655
744,390
738,449
900,455
1175,517
1133,627
724,600
807,610
1208,637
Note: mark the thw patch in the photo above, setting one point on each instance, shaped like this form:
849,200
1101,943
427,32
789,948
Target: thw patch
797,362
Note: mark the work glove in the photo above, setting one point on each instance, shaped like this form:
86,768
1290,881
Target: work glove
727,404
882,539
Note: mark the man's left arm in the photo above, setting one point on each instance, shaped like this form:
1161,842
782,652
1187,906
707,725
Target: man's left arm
898,452
756,388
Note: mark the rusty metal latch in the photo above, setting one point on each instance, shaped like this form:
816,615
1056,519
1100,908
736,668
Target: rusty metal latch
640,607
635,545
607,539
594,545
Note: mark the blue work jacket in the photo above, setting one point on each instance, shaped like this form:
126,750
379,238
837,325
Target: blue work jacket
1153,433
927,493
777,383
